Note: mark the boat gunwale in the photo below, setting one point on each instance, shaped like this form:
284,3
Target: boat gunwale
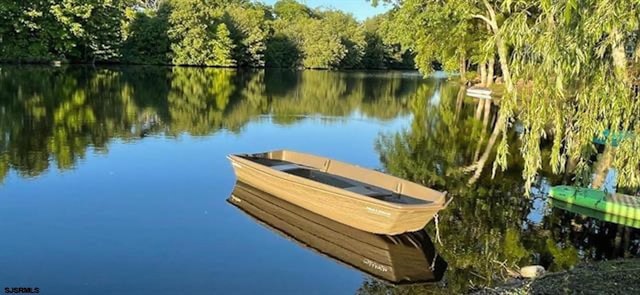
431,206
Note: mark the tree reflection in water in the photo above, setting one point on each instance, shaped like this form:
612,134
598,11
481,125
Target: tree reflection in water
491,226
55,115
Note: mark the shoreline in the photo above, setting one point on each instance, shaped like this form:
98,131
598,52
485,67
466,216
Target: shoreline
54,63
619,276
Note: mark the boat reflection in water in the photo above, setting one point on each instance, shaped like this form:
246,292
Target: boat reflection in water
608,217
409,258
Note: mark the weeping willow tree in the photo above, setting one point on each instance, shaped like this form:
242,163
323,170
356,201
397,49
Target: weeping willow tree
573,56
567,70
574,84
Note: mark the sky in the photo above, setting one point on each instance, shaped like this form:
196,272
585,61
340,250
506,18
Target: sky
361,9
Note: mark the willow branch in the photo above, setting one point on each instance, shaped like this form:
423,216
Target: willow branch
484,18
492,12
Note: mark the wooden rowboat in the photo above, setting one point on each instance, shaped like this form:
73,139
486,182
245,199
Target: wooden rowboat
361,198
409,258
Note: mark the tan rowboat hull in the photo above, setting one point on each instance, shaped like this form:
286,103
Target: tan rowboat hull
361,212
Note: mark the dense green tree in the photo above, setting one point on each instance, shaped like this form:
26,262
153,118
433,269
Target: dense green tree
249,29
351,36
223,47
321,47
438,21
147,40
24,31
58,29
284,47
383,47
89,30
282,52
225,33
198,34
374,52
321,38
291,9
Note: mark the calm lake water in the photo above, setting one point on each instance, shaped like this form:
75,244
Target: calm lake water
115,180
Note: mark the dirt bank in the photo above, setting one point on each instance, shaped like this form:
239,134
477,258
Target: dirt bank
607,277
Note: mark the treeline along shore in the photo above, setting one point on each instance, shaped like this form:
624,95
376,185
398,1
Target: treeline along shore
224,33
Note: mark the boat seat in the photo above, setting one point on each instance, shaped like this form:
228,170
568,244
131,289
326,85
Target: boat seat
366,191
285,167
384,195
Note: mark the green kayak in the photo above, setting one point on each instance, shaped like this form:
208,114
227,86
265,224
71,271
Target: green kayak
616,204
617,219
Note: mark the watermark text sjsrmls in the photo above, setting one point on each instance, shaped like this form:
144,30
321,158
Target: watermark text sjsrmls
22,290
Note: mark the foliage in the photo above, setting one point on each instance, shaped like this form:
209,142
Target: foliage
581,83
291,10
198,34
374,52
226,33
282,52
77,30
383,49
147,41
443,136
321,47
437,21
351,36
316,38
23,29
249,25
574,63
